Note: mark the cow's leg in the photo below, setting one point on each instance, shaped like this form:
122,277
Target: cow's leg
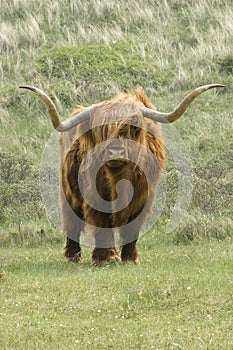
104,250
129,235
129,250
71,199
104,247
72,227
72,250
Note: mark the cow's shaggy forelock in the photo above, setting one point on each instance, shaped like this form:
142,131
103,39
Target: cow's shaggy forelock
113,120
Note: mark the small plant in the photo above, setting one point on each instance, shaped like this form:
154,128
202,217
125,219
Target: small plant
226,65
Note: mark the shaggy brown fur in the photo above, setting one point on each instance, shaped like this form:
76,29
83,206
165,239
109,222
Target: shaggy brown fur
109,120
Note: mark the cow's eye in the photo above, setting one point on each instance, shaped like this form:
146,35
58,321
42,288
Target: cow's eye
135,131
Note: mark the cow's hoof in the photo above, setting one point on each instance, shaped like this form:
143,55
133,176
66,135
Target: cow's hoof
99,263
131,260
75,258
114,258
129,253
111,260
103,256
114,255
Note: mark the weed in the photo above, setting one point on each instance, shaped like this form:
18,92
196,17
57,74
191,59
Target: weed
226,65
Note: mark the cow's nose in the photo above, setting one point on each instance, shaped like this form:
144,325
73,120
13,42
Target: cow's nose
116,153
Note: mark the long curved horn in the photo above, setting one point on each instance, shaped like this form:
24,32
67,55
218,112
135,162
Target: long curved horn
178,111
54,115
147,112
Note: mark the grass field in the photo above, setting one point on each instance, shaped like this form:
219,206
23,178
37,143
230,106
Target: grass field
180,297
80,52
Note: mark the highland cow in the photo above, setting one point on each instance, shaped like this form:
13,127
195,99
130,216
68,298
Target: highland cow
112,156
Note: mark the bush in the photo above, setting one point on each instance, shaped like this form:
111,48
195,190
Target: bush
98,67
198,226
213,184
226,65
19,197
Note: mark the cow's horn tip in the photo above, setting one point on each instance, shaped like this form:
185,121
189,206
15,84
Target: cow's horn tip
25,87
219,85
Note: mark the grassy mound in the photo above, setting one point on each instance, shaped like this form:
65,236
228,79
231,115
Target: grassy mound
97,69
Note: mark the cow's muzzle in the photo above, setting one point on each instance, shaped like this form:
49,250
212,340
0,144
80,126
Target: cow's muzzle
116,156
116,153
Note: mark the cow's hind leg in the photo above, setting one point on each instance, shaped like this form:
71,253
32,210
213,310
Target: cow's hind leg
103,256
105,250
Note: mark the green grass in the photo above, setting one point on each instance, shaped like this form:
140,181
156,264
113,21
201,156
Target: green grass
178,298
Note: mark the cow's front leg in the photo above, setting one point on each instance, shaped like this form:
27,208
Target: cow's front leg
129,252
72,225
72,250
129,236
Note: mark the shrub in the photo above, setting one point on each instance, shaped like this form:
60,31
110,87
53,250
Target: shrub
198,226
226,65
19,197
99,67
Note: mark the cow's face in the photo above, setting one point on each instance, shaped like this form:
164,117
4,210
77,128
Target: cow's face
113,127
